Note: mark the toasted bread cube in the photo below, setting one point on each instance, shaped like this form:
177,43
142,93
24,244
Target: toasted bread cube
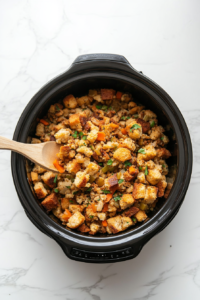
154,176
64,152
84,100
90,215
85,150
134,133
40,190
57,211
101,216
74,122
126,222
107,94
65,203
150,153
80,158
81,179
145,125
40,129
48,179
73,166
139,190
38,169
111,182
94,228
100,205
83,228
62,187
164,153
35,141
92,136
149,115
115,224
92,169
34,177
131,212
50,202
141,177
129,144
62,136
75,220
140,216
122,154
156,132
70,101
75,207
127,176
161,185
126,201
151,194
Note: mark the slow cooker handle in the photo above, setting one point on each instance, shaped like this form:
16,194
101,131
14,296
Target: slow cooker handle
101,56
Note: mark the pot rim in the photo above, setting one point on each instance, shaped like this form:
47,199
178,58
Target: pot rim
158,221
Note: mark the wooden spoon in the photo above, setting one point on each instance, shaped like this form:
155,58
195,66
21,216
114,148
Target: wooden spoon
42,154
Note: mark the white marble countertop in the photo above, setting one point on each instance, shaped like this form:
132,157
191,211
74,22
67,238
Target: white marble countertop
39,40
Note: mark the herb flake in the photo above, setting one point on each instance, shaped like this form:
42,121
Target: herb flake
55,179
120,181
75,134
146,171
141,150
135,126
127,163
56,190
109,163
106,192
152,124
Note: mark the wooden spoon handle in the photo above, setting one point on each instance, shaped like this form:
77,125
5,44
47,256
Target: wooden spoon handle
28,150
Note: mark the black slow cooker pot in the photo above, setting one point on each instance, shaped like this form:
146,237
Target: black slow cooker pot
105,71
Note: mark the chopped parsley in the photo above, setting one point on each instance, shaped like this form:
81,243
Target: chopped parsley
91,217
98,106
100,163
104,107
163,166
123,118
152,124
75,134
71,201
109,163
91,147
141,150
56,190
128,117
69,187
80,134
88,189
135,126
55,179
134,220
140,168
146,171
162,138
57,108
117,198
106,192
75,192
120,181
84,137
127,163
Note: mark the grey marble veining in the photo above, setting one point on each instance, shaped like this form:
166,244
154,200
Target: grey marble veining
39,40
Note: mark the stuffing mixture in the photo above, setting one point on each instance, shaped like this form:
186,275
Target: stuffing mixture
112,162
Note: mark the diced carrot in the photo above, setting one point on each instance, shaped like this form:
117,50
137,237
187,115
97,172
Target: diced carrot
44,122
123,130
101,136
58,167
104,223
105,207
131,170
108,197
114,126
94,207
119,95
66,215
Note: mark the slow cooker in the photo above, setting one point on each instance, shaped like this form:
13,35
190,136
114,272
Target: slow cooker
105,71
